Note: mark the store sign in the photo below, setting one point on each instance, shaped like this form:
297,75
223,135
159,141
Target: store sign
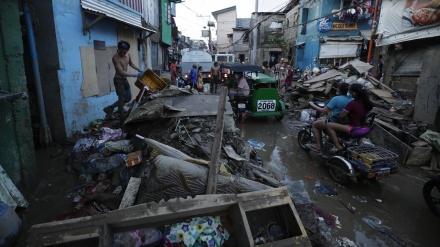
324,25
344,26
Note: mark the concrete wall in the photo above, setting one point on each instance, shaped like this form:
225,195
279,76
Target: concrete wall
59,45
225,24
17,155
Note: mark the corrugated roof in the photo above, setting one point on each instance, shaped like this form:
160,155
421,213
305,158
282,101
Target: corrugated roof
114,12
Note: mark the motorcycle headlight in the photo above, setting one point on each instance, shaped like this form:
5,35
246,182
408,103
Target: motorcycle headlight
209,75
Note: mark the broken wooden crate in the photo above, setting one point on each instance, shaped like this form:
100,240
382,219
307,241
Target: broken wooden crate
243,211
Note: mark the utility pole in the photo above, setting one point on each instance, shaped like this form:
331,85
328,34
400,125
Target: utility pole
210,24
255,36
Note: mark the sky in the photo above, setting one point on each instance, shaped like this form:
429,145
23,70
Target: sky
193,15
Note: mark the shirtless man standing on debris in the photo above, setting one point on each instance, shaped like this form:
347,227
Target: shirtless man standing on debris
121,60
215,73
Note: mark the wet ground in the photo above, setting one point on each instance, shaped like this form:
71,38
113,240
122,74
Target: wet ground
396,204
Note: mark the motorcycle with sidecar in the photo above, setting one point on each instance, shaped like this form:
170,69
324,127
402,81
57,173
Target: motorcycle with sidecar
263,99
357,160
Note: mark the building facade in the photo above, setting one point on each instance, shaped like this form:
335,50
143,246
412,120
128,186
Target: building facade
226,21
270,43
333,31
240,39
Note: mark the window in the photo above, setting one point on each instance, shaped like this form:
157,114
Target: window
246,37
168,12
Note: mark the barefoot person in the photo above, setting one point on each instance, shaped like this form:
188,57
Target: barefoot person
121,60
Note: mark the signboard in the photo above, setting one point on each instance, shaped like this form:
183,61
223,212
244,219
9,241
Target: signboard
324,25
343,26
408,20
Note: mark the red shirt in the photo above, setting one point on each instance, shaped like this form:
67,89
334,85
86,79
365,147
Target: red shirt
355,111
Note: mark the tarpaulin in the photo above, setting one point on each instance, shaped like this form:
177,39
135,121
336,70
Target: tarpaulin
400,20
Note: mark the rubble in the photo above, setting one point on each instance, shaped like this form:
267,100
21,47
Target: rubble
396,130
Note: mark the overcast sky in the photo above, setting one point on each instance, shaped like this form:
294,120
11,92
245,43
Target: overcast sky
188,12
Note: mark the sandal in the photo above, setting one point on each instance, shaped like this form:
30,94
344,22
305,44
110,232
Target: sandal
334,150
313,147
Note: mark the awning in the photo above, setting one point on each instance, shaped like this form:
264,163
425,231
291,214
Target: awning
113,11
338,49
299,44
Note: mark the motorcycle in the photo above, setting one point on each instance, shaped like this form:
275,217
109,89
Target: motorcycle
240,105
431,193
357,160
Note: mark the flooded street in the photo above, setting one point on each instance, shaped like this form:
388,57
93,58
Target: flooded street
395,205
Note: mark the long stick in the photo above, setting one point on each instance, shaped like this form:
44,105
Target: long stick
216,147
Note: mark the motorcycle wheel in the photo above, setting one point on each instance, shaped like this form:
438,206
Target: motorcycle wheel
239,116
304,138
338,171
431,193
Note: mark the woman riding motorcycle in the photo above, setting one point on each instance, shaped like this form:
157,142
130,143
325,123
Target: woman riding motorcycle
354,110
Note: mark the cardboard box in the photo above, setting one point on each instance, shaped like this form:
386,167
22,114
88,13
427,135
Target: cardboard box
133,159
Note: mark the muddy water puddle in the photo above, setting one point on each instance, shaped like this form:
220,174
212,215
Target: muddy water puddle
389,212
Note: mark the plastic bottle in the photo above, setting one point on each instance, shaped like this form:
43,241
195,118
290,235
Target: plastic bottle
10,226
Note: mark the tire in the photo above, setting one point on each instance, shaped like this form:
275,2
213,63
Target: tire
304,138
338,171
279,118
431,193
239,116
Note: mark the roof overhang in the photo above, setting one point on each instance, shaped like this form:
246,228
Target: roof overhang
110,10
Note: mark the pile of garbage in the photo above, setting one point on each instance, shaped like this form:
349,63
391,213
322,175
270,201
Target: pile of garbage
176,153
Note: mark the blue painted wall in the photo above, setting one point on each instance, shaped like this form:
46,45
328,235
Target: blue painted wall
78,111
311,48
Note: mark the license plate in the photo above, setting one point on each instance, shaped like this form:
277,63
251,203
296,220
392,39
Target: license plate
241,106
383,173
266,105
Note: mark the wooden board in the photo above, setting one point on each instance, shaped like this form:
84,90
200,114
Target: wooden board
89,86
103,72
427,97
173,211
384,94
130,193
385,139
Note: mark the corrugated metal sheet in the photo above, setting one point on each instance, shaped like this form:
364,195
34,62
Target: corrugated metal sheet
112,11
134,4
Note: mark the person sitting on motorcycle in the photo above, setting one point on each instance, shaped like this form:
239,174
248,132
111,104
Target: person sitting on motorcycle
335,105
355,110
242,88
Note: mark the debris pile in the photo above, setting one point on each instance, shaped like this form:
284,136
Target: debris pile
396,130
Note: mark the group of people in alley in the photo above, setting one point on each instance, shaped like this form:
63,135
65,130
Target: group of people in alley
348,107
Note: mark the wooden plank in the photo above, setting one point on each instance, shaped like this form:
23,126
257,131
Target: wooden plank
106,236
389,126
383,94
111,50
89,86
389,114
385,139
10,191
427,97
102,72
130,193
238,218
217,145
139,216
